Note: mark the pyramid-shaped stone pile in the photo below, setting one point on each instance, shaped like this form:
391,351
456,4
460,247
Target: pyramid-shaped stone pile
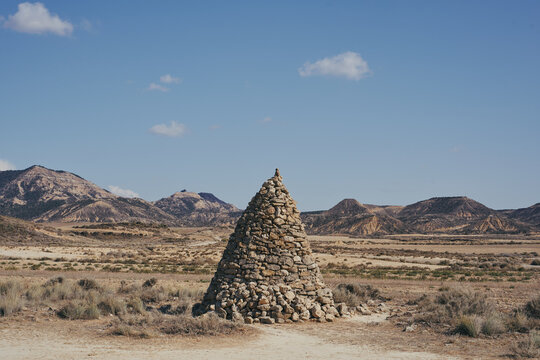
267,273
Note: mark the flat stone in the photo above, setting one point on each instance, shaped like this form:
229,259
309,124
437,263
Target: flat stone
266,320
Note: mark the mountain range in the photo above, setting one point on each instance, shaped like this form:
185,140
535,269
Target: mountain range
451,215
44,195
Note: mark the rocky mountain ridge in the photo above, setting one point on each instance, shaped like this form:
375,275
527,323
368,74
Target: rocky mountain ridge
44,195
202,209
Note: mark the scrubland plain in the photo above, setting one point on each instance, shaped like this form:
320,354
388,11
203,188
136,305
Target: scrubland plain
126,291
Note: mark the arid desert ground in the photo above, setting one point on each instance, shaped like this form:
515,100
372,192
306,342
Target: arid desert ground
125,291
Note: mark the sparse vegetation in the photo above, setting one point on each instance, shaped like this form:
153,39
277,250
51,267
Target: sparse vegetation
471,313
452,304
355,294
469,325
533,307
140,311
528,348
10,300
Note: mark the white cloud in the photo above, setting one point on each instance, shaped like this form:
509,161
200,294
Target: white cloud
174,129
122,192
168,79
215,127
36,19
157,87
6,165
349,65
266,120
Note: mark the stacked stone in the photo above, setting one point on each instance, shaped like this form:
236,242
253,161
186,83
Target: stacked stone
267,273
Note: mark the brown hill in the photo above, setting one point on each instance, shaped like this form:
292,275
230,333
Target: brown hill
494,224
529,215
202,209
389,210
457,214
352,218
42,194
107,210
16,231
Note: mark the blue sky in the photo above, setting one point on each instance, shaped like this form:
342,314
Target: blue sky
388,102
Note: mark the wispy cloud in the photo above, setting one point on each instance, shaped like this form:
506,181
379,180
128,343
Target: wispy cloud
6,165
86,25
174,129
36,19
215,127
157,87
349,65
168,79
122,192
266,120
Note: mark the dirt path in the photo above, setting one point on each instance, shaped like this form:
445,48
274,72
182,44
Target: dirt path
45,341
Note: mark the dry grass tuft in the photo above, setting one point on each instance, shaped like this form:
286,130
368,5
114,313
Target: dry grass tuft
10,298
355,294
452,304
533,307
493,324
469,325
528,348
79,310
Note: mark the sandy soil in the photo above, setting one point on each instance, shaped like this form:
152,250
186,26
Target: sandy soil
61,340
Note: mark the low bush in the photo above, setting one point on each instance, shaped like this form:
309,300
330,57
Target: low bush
469,325
88,284
518,322
208,324
10,298
355,294
451,304
109,304
493,324
533,307
150,283
528,348
128,330
79,311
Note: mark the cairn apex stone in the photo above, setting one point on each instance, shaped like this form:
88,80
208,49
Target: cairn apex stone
267,272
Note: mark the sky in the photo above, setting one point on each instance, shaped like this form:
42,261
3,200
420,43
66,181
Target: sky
387,102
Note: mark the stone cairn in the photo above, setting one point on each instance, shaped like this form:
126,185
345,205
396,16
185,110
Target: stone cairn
267,273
